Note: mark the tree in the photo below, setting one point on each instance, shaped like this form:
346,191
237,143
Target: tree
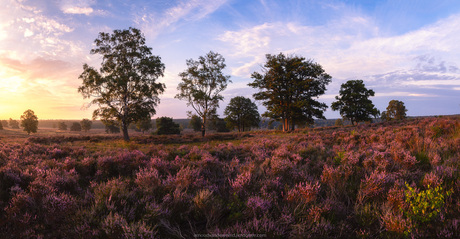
86,124
29,121
288,86
166,125
195,123
395,111
201,85
5,123
1,125
111,126
353,102
144,124
14,124
75,126
62,125
338,122
241,113
125,88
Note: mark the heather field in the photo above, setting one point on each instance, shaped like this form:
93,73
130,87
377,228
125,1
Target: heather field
386,180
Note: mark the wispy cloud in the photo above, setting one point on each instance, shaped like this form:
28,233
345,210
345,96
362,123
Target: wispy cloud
157,22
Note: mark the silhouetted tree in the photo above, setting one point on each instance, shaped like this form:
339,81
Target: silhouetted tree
395,111
29,121
111,127
195,123
166,125
5,123
1,125
62,125
353,102
289,87
201,85
125,88
242,113
86,124
144,124
338,122
75,126
14,124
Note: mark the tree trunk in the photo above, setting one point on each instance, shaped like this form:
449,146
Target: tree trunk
203,127
124,128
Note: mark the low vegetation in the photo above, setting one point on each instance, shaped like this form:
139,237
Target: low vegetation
393,179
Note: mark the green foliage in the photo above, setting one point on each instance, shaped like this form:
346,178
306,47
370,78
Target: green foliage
353,102
424,205
241,113
166,125
125,89
144,124
395,111
111,127
288,87
62,125
195,123
202,83
338,122
86,124
14,124
75,126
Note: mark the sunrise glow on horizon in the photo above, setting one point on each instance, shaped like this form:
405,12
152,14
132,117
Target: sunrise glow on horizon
403,50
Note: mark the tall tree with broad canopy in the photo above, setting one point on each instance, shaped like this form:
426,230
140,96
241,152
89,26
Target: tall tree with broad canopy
241,113
354,103
29,121
395,111
125,88
202,83
289,87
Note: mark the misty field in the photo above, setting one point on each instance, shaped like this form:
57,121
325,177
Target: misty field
385,180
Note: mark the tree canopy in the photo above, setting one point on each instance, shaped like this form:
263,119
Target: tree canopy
289,87
125,88
395,111
14,124
202,84
354,103
166,125
86,124
29,121
241,113
76,126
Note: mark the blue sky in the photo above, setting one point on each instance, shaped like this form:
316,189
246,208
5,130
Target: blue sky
403,50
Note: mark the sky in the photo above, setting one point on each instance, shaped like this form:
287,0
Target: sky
403,50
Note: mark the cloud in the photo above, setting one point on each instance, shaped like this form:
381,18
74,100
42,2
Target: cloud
157,22
78,10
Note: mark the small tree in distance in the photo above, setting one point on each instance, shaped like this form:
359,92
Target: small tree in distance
166,125
195,123
242,113
338,122
5,123
354,103
395,111
75,126
202,83
29,121
144,124
1,126
86,124
62,125
14,124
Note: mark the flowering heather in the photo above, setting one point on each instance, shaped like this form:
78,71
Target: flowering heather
388,180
